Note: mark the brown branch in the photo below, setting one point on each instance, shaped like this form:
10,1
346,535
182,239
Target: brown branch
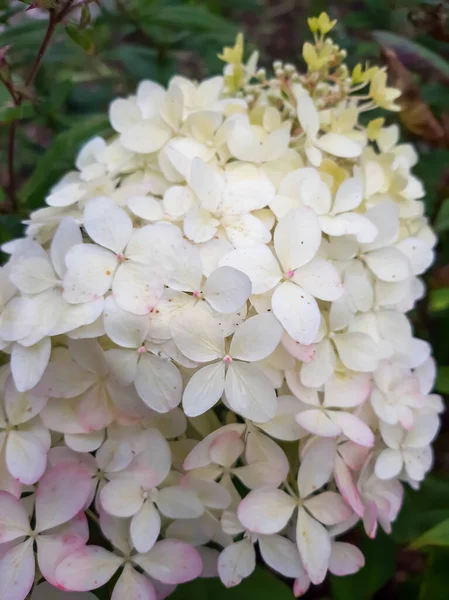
55,18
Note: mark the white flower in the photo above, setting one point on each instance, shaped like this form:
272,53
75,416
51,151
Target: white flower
408,450
248,391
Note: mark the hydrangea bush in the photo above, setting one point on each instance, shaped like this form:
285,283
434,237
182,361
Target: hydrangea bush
207,341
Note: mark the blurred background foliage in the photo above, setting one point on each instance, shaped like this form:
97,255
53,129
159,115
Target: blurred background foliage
101,49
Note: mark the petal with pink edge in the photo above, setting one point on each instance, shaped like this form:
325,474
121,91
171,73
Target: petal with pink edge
329,508
171,561
134,586
314,546
236,562
61,494
345,559
87,569
347,487
17,568
266,510
354,428
26,456
14,521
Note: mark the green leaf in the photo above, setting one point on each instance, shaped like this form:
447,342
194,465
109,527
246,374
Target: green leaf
380,563
23,35
422,509
439,300
442,222
81,37
15,113
435,583
59,159
261,585
437,536
139,61
412,53
442,383
191,17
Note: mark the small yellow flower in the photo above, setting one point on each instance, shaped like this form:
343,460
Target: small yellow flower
374,128
233,55
382,95
361,76
325,24
321,24
316,60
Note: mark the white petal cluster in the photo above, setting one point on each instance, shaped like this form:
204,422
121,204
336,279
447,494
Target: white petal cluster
220,285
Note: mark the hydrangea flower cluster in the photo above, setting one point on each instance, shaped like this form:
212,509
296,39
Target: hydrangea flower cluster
208,344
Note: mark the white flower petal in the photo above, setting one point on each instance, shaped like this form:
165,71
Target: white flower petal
236,562
314,546
158,382
256,338
227,289
388,264
266,510
321,279
250,393
297,311
258,263
29,363
145,527
107,224
297,238
357,351
197,335
90,270
204,389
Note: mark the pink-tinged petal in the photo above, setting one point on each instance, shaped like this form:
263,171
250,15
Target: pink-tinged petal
199,455
316,466
281,554
266,510
345,559
134,586
121,498
226,448
354,455
354,428
301,585
236,562
95,411
347,487
7,481
348,390
171,562
14,521
299,351
61,494
87,569
26,456
370,519
314,546
318,423
17,569
329,508
53,549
